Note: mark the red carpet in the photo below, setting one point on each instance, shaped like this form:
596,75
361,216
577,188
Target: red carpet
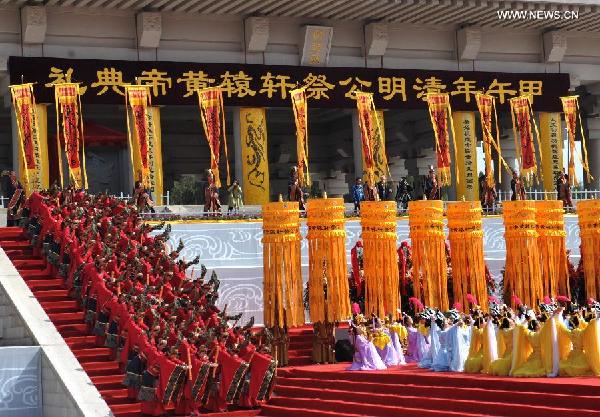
329,390
300,349
68,317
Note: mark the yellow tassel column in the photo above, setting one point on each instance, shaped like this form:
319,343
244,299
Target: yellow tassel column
328,273
466,251
380,259
327,256
589,232
282,284
523,274
549,216
430,270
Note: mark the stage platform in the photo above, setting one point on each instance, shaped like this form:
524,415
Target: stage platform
330,390
234,250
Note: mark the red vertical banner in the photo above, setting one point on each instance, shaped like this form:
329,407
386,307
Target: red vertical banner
486,105
524,141
69,128
365,122
300,106
441,116
212,114
138,100
571,109
30,144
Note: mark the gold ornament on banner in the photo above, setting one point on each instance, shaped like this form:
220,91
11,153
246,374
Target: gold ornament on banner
31,121
300,106
572,114
430,269
523,275
69,117
212,113
380,259
523,121
329,301
465,234
588,212
283,306
440,113
550,222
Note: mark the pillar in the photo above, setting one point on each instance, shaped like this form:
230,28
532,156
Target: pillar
593,148
356,146
509,153
237,146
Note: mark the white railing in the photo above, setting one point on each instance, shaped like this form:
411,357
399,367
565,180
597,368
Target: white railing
551,195
122,196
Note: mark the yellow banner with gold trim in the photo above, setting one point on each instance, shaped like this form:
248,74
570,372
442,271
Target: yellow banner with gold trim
153,152
255,163
467,186
380,162
551,144
32,129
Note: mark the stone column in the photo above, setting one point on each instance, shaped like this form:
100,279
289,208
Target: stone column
509,153
356,146
593,149
237,146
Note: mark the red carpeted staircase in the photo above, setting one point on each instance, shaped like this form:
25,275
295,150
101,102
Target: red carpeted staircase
300,349
68,318
328,390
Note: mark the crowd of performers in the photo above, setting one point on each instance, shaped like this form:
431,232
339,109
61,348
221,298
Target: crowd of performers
177,349
559,339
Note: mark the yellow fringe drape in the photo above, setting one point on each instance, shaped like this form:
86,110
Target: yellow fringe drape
282,282
523,276
326,245
466,251
589,232
549,217
380,259
430,270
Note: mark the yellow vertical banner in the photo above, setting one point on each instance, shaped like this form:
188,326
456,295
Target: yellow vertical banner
32,129
467,186
153,151
380,163
551,144
255,163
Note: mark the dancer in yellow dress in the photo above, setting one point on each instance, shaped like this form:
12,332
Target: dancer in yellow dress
501,366
473,364
584,357
535,348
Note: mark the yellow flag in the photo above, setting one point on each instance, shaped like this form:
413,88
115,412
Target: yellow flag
255,163
467,186
552,148
152,138
380,163
33,141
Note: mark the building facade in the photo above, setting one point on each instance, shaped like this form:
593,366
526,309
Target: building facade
533,37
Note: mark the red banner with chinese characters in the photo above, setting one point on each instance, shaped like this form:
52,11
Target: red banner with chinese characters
300,107
138,99
571,109
369,125
30,144
69,129
486,105
522,126
212,113
441,115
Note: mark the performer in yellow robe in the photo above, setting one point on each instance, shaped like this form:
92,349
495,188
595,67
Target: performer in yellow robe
501,366
473,363
534,351
584,357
